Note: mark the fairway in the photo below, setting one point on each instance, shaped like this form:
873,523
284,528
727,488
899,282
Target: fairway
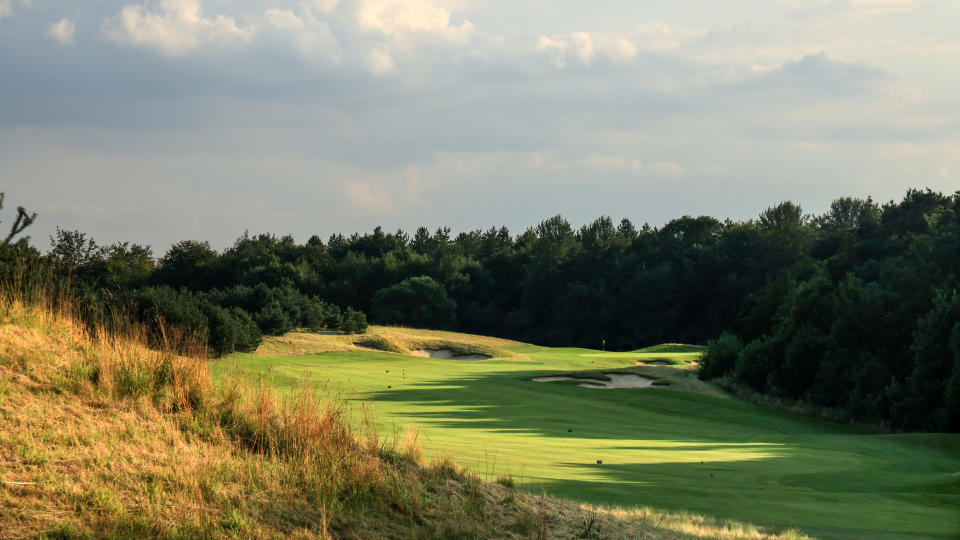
677,445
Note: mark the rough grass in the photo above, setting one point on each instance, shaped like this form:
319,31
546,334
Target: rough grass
387,339
103,437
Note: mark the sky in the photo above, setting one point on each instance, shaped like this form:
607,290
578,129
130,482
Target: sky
154,121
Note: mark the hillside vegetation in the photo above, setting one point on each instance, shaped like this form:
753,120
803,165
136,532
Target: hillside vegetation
854,309
103,437
679,444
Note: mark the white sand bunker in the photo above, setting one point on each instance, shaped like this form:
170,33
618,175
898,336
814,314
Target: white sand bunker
447,354
617,380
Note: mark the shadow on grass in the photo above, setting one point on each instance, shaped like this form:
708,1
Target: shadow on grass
722,490
512,402
718,457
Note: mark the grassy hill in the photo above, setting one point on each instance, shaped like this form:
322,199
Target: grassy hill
680,445
102,437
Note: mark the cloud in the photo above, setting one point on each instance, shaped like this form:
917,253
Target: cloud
884,6
178,28
666,168
820,74
393,17
583,48
323,6
309,35
606,163
6,7
862,7
62,31
370,34
381,62
596,121
366,195
660,36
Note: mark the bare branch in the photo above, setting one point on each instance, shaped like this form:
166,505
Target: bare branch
23,221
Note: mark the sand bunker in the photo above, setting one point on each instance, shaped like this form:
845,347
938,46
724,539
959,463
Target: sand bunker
654,363
617,380
447,354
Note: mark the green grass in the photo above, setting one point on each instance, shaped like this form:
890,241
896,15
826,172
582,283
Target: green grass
685,446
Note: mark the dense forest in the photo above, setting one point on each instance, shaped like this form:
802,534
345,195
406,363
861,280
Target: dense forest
855,309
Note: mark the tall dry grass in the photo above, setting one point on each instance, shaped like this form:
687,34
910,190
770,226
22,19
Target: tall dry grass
335,465
103,436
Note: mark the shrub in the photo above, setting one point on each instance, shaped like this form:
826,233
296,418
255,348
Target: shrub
721,355
231,330
273,320
354,322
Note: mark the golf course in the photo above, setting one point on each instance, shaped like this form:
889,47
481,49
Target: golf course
673,442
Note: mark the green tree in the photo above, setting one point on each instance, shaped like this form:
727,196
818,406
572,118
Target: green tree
418,301
188,264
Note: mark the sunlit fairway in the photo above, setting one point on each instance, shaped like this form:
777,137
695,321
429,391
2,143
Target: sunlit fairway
678,445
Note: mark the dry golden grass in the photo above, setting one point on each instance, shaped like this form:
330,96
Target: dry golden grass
388,339
102,437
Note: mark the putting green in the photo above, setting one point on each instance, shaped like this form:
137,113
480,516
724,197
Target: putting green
684,446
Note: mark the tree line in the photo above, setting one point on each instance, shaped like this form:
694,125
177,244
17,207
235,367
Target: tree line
855,309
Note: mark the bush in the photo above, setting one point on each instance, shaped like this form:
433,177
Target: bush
317,314
273,320
354,322
231,330
721,355
164,309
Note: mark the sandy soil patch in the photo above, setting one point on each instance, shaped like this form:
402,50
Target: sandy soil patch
654,363
617,380
447,354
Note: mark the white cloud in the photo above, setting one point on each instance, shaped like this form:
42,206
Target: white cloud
310,35
177,28
877,7
666,168
555,49
395,16
620,50
323,6
284,19
62,31
366,195
413,32
659,36
380,61
374,34
6,7
885,6
607,163
583,48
